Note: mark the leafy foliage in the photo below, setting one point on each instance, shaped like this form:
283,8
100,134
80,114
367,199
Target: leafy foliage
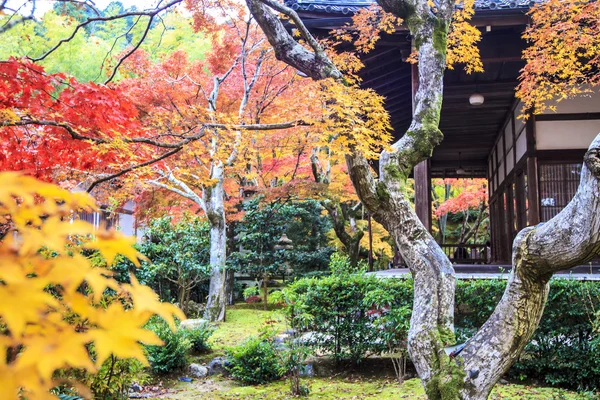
172,355
340,311
198,337
350,316
254,361
115,378
262,227
462,202
563,58
564,350
179,252
50,300
112,381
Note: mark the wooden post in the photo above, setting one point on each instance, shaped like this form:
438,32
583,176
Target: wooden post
421,172
533,195
422,177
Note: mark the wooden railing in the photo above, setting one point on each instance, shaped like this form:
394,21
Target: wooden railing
466,253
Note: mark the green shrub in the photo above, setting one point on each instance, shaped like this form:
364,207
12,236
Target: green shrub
344,311
198,337
172,355
565,350
254,361
111,382
341,310
115,377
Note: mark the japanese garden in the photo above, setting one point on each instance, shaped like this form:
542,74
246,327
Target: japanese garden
276,199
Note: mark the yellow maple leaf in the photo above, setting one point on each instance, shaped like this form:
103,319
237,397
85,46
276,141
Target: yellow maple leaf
120,332
58,348
112,243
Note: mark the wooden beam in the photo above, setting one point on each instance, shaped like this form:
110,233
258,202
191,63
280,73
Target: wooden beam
389,85
533,194
377,55
568,117
422,178
396,72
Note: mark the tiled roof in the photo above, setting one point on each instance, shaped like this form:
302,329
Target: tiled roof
346,7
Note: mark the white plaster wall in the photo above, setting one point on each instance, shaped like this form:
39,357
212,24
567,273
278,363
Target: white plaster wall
521,146
556,135
581,104
510,161
126,224
508,138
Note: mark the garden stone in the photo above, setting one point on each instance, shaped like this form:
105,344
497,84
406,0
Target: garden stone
307,371
197,370
135,395
135,387
217,366
193,324
282,338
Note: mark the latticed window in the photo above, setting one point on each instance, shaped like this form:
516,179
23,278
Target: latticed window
558,184
97,219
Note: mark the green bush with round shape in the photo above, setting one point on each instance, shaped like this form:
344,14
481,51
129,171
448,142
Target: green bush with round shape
254,361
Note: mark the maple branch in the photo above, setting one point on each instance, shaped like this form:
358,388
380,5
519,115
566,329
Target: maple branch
148,13
248,86
306,35
112,47
134,167
12,23
182,188
74,134
315,64
84,3
186,139
261,127
130,52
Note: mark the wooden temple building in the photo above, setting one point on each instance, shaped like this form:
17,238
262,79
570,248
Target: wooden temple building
532,168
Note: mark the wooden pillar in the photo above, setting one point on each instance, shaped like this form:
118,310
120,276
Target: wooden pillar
533,194
422,175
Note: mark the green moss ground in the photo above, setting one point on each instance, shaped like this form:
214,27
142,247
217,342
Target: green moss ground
244,320
338,388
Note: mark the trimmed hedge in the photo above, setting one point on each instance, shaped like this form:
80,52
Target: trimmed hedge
563,350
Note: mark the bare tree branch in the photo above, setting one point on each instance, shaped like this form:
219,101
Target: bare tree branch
149,13
134,167
130,52
11,23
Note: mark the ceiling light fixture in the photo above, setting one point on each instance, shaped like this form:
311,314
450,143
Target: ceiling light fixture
476,99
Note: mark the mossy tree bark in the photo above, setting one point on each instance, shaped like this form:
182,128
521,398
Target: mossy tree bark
566,241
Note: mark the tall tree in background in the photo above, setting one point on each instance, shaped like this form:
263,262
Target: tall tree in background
174,95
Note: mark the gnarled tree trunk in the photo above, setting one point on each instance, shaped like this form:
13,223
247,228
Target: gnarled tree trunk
215,211
572,237
350,241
